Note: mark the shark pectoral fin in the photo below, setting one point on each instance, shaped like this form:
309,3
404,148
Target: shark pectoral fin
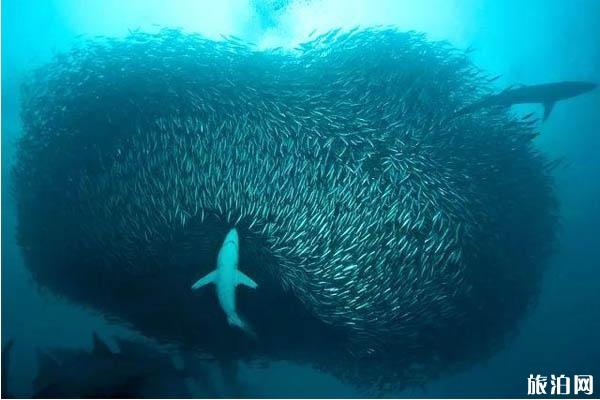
243,279
209,278
548,109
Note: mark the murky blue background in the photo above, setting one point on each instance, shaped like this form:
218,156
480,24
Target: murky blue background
526,42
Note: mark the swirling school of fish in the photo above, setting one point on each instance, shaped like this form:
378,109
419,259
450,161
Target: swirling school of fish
422,239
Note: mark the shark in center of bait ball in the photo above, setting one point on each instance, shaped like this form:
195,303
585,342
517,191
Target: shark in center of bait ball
226,277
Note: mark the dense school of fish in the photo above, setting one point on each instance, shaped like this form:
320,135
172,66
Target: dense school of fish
419,238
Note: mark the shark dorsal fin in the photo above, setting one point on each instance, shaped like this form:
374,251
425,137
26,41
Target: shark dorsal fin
548,106
99,347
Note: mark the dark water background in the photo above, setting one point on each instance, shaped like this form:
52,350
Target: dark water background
525,41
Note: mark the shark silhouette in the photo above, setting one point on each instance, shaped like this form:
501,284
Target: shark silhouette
136,370
547,94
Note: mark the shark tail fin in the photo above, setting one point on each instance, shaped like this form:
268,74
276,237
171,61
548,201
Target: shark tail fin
235,320
208,278
548,109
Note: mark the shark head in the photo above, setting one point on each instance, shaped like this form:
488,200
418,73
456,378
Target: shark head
573,88
231,238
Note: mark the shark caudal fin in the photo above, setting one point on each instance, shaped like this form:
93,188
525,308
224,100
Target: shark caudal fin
208,278
235,320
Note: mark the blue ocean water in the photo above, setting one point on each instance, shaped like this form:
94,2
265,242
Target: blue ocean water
525,42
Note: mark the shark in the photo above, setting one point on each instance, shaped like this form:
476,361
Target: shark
136,370
226,277
547,94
